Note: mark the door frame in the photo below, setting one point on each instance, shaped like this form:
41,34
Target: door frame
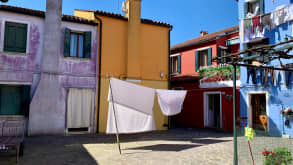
205,94
249,108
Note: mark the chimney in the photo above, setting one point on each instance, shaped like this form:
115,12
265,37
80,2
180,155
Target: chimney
133,12
47,114
202,33
52,39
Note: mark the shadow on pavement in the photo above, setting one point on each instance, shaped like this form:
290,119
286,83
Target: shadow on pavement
165,147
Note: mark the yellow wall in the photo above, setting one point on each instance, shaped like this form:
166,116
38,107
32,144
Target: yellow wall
154,41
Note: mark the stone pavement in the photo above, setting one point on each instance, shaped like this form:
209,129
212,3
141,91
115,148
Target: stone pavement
258,145
173,147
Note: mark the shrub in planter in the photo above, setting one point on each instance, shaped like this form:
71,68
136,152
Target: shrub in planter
279,156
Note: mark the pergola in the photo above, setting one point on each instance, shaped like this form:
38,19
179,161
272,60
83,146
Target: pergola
262,54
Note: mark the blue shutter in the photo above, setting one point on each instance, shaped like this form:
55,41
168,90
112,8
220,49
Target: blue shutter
179,64
209,57
197,60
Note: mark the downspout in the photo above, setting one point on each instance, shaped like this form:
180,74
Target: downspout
99,74
169,69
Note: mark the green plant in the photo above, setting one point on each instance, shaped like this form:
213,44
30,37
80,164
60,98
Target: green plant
279,156
225,71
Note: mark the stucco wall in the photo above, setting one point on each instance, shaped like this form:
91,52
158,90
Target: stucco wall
277,95
26,68
188,54
153,54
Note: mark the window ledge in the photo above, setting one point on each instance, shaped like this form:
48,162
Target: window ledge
77,58
12,116
174,74
14,53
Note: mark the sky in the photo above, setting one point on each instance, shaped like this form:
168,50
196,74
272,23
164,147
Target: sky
188,17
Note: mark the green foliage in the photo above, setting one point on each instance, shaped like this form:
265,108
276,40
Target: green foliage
279,156
225,71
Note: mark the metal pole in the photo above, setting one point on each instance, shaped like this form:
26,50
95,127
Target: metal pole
234,117
117,132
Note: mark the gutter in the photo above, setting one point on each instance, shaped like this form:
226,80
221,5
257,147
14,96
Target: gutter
98,99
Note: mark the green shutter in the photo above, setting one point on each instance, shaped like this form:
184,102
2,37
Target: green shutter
87,44
197,62
261,6
67,42
179,64
220,55
25,100
245,9
10,102
209,57
15,37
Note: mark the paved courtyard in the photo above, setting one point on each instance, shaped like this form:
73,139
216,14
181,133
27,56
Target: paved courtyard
173,147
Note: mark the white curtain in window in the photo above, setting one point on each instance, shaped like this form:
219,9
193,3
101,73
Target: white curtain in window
79,107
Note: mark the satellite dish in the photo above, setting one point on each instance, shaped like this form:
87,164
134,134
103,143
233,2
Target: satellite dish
124,9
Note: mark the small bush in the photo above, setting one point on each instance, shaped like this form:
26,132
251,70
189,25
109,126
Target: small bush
279,156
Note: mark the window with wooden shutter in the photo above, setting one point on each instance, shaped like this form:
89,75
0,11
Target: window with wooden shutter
179,64
67,42
77,44
197,62
14,100
220,55
87,44
174,64
15,37
209,60
261,6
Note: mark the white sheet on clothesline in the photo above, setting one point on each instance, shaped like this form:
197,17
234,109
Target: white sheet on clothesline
171,101
133,106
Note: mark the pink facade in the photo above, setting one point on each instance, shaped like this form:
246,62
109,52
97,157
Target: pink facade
203,96
214,40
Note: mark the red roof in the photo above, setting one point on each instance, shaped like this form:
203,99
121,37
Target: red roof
207,37
39,13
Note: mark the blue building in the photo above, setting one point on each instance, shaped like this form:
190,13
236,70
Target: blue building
265,92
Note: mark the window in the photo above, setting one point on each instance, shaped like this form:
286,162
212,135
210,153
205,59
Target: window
258,43
203,58
175,62
223,51
15,37
233,41
14,99
77,44
253,8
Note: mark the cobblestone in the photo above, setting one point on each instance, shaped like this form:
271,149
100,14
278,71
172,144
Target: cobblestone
173,147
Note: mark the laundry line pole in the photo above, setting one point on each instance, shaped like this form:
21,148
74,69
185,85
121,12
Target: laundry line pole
234,117
117,132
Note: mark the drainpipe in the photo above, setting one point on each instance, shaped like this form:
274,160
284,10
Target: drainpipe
169,68
99,74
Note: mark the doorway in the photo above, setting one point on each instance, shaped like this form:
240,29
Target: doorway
213,110
258,112
80,106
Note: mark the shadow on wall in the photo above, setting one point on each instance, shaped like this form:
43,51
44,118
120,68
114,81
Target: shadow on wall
274,129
